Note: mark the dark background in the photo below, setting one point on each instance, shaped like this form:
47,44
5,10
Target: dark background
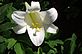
69,20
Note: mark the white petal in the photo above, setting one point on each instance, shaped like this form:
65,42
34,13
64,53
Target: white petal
37,39
19,21
53,14
45,17
49,16
19,29
19,14
52,29
35,5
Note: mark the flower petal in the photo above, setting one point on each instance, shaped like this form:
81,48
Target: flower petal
36,37
53,14
19,14
45,18
18,20
49,16
27,6
52,29
19,29
35,6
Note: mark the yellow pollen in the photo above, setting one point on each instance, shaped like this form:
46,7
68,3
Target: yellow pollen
35,25
35,20
38,29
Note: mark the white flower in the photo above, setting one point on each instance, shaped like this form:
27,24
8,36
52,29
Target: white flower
36,22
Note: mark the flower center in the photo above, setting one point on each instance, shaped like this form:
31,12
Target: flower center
33,19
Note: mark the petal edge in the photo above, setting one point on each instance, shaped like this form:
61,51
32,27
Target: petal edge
53,14
19,30
35,6
52,29
19,21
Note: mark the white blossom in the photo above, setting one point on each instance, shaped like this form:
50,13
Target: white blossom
36,22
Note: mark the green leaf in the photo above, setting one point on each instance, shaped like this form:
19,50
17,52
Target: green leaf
3,11
81,49
51,52
44,5
11,43
0,3
70,45
9,13
67,47
6,26
1,0
68,39
47,35
5,17
29,51
18,49
53,43
62,48
2,39
6,33
2,48
73,43
59,41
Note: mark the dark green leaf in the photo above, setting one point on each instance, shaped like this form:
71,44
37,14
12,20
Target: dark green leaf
81,49
2,48
3,11
73,43
47,35
53,43
62,48
59,41
24,38
29,51
6,34
51,52
47,47
6,26
2,39
9,13
39,51
70,45
1,0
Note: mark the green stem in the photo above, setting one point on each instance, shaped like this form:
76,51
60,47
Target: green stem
39,51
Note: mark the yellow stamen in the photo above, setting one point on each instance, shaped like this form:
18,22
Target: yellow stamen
35,20
38,29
